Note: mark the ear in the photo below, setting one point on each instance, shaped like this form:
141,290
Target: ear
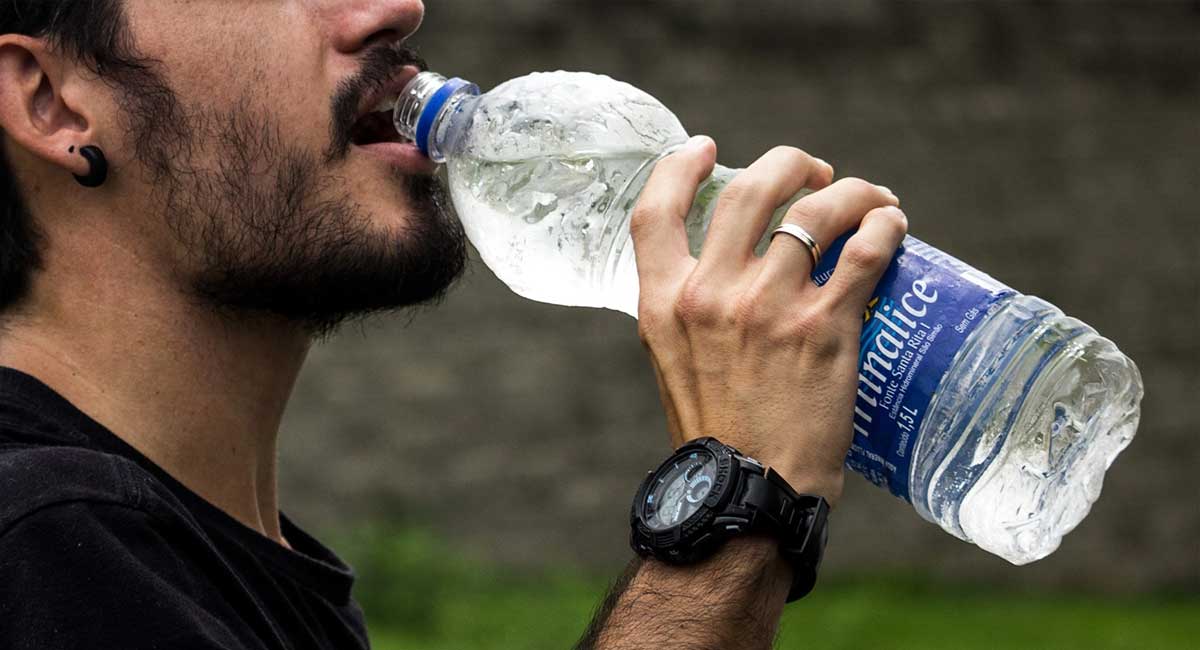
41,93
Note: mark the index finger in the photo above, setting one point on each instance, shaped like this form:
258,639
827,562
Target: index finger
657,226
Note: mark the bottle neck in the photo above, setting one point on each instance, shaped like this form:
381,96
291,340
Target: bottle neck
426,110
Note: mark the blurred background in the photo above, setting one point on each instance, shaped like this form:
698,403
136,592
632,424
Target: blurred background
476,461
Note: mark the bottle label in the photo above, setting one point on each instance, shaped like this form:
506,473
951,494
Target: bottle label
925,307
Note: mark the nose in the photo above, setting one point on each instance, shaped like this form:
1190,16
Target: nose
356,24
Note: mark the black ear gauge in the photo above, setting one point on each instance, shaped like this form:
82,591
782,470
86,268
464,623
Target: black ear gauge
97,166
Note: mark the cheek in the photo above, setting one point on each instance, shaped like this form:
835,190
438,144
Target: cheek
217,58
304,122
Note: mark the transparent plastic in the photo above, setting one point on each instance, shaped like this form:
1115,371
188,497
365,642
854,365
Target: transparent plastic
414,101
1023,426
544,172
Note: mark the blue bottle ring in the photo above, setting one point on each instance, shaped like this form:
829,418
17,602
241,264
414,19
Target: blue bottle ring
430,112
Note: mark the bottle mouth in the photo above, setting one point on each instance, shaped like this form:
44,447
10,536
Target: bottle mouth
420,103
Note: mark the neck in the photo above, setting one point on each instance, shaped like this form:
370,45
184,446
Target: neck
196,392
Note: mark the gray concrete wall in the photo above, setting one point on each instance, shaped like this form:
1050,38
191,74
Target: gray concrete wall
1054,145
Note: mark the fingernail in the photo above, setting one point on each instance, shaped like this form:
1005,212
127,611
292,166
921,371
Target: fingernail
823,162
697,141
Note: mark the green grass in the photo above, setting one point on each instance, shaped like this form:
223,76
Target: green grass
419,596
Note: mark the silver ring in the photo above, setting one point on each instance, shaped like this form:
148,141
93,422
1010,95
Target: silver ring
799,233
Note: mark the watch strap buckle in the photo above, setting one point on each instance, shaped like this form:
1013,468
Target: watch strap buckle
800,520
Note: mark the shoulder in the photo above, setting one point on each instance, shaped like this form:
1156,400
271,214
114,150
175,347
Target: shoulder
88,573
36,478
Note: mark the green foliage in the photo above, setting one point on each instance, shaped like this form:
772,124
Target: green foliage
420,595
907,614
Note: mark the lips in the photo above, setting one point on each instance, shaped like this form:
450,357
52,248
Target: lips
374,124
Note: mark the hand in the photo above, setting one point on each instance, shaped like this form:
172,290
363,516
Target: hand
748,349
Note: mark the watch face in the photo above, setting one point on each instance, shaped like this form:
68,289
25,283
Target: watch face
678,491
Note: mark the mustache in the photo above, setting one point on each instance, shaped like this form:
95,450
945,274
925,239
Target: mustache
380,64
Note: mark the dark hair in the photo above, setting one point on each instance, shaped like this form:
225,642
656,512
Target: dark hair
93,32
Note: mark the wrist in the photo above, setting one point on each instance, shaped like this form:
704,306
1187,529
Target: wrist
731,600
825,482
818,477
708,493
742,562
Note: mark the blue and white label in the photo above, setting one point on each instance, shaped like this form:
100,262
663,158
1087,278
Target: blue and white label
925,307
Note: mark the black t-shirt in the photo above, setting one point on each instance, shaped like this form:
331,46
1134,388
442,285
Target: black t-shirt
101,549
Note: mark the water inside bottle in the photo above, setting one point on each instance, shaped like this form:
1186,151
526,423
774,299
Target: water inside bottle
547,227
546,174
1023,424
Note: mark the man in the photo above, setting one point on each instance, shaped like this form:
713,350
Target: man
191,199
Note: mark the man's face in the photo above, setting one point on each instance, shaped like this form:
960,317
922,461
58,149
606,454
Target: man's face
251,149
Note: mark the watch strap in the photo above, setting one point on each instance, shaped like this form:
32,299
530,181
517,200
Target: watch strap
746,497
798,520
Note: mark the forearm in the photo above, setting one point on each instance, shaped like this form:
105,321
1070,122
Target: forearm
732,601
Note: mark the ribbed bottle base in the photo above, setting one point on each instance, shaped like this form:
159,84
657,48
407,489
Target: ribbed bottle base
1026,422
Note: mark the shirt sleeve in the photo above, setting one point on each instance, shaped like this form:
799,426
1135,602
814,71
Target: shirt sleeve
83,574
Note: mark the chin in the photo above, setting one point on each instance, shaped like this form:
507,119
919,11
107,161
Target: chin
386,198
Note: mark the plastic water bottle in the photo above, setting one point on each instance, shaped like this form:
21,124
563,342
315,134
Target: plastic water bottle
991,412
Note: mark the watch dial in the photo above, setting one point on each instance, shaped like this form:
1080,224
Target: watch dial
678,491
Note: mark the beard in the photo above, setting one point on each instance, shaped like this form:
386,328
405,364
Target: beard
268,232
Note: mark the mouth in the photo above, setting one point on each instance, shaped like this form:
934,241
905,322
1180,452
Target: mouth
375,122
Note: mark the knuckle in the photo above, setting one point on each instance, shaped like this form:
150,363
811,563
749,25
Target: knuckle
789,155
864,255
651,320
646,331
796,160
856,185
807,211
750,311
644,214
783,333
743,190
893,218
816,329
810,324
735,194
763,319
697,305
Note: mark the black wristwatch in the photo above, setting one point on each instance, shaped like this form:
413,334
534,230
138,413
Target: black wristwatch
708,492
